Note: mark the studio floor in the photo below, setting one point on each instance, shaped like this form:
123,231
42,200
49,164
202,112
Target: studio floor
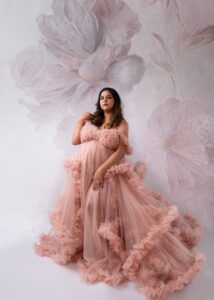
25,276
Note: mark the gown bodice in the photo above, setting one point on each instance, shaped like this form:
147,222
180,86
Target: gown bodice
110,138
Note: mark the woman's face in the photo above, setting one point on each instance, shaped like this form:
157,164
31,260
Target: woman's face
106,101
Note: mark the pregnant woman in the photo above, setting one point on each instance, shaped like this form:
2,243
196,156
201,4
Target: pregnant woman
109,222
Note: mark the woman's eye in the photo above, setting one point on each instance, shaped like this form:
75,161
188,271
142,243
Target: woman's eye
107,98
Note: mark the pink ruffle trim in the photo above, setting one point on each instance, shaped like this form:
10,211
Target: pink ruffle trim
96,274
109,232
65,247
134,171
158,290
140,250
124,139
61,244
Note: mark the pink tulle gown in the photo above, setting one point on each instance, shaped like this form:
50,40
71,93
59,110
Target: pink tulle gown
123,230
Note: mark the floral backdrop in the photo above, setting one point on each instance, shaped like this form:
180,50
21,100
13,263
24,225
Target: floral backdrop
159,55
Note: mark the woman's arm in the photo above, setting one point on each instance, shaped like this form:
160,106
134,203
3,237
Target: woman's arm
117,155
76,133
114,158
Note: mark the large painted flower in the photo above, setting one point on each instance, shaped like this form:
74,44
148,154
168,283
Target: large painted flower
181,144
88,42
46,83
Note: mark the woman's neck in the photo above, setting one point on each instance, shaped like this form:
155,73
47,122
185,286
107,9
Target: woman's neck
107,117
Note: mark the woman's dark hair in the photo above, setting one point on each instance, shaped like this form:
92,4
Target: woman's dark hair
97,117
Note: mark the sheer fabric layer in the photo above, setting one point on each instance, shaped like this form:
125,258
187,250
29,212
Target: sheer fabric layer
123,231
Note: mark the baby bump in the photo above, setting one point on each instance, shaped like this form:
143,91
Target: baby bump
93,155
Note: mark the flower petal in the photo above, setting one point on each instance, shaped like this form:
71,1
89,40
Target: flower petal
95,66
48,26
71,22
180,138
201,37
27,67
42,114
120,21
126,72
44,81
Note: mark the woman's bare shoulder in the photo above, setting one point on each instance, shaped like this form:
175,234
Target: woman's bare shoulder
85,114
124,127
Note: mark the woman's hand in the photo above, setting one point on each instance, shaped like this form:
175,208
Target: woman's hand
76,140
98,178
